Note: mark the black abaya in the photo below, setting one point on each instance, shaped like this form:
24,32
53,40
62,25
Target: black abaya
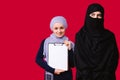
96,52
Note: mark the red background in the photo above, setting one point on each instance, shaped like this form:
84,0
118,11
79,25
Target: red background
24,23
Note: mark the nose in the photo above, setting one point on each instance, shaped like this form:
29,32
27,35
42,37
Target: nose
59,30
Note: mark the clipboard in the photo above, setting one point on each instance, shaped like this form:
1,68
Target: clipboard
58,56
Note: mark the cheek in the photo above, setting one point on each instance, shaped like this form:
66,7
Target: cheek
54,31
63,30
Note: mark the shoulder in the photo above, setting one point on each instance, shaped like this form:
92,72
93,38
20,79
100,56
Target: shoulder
43,41
110,33
80,33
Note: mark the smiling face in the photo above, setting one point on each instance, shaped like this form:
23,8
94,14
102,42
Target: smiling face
58,29
96,14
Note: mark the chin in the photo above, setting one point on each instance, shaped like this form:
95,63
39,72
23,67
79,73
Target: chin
60,36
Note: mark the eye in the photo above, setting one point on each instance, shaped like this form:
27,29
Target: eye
61,27
92,14
99,15
55,28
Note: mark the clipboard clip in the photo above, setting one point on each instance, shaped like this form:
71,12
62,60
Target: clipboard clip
58,44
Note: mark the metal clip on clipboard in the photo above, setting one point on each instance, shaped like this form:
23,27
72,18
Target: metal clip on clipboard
58,44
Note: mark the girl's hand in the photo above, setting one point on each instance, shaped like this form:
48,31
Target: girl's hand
68,44
58,71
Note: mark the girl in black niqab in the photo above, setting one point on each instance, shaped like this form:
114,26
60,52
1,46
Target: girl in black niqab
96,52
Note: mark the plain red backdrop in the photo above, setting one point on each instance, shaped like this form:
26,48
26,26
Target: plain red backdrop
25,23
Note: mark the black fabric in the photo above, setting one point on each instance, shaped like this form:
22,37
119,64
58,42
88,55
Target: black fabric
67,75
96,54
40,59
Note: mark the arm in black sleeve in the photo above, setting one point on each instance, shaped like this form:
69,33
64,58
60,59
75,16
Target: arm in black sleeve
113,62
40,59
71,58
81,62
116,54
76,52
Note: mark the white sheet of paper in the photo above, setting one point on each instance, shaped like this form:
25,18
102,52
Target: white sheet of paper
58,56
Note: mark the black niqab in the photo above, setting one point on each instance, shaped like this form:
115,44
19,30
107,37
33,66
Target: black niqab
96,52
94,25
